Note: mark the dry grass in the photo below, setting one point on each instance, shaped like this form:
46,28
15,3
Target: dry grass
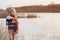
3,34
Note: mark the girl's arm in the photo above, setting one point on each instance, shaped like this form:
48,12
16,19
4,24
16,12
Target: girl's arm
16,25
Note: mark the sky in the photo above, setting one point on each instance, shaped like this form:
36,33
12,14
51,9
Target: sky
16,3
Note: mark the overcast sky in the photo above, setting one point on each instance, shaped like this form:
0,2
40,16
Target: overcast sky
7,3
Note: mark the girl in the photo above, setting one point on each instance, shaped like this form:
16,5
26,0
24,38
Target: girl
12,23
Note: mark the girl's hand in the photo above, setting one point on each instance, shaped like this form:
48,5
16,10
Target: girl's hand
16,31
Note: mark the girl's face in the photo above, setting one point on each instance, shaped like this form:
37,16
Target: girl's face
12,12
